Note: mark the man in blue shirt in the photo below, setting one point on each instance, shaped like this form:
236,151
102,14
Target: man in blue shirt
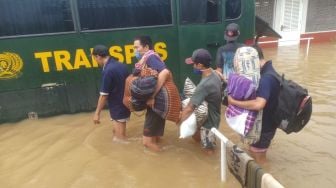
267,100
154,124
112,88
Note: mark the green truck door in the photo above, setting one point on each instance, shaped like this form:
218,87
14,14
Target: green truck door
201,25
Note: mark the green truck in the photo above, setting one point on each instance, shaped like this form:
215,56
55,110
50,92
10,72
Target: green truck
45,45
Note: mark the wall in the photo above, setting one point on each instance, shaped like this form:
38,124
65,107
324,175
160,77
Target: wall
321,15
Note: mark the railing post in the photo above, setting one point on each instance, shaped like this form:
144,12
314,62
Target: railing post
307,48
223,152
223,161
308,45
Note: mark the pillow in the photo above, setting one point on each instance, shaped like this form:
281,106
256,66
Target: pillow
189,88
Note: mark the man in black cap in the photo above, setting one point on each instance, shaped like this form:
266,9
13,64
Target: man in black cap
112,88
209,90
226,53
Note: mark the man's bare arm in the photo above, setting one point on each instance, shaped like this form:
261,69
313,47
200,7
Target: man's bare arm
256,104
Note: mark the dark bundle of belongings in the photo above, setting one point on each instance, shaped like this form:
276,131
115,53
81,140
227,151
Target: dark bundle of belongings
140,87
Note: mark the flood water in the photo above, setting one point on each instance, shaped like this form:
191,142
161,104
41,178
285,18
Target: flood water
70,151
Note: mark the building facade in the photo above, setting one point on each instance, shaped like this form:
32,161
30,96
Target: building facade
299,19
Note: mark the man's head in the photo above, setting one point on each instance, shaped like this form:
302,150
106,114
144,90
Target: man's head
100,53
200,59
142,44
231,32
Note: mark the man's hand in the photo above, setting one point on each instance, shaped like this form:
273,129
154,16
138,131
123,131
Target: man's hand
230,100
96,118
151,102
101,103
220,74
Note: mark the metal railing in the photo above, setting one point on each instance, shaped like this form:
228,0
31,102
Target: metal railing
223,141
276,41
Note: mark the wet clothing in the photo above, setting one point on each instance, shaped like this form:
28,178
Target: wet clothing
208,138
225,56
269,88
114,75
209,90
154,123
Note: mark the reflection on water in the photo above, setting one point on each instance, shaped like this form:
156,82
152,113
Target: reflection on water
69,151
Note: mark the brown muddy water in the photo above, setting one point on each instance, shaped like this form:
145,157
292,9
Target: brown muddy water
69,151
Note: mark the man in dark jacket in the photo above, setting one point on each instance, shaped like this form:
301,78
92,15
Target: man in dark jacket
266,100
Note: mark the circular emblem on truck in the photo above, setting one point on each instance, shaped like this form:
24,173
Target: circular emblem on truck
10,65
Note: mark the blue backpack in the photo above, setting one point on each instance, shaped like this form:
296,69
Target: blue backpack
294,106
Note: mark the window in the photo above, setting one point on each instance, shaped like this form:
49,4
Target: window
199,11
107,14
232,9
35,17
321,15
265,9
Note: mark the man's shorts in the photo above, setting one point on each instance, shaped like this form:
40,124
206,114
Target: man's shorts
154,124
119,113
121,120
208,138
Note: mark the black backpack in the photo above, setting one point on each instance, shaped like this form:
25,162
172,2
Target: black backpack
294,105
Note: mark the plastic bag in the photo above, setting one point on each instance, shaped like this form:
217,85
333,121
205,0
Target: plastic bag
188,126
237,123
201,111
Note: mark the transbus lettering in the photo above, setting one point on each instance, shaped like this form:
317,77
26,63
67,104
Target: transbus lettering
81,59
63,60
62,57
129,53
44,60
116,52
160,48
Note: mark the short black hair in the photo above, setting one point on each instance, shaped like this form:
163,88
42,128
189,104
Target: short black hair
100,50
259,50
145,40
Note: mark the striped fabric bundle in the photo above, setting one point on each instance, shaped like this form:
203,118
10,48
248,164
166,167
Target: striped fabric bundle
201,111
139,88
240,88
142,89
167,101
189,88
